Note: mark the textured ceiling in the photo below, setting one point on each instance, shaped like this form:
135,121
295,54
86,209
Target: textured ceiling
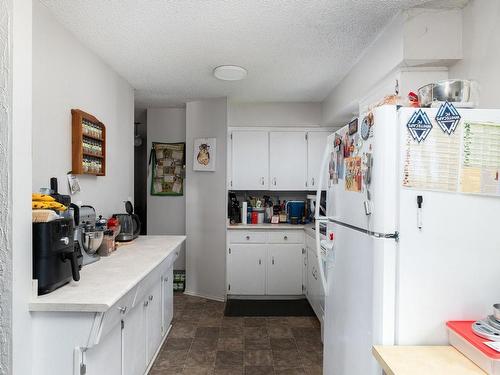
293,50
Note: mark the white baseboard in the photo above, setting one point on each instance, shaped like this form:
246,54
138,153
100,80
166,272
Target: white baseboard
195,294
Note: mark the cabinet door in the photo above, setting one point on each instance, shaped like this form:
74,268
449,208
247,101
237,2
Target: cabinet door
316,143
154,320
250,160
168,299
284,270
134,341
288,160
304,271
247,269
106,357
311,281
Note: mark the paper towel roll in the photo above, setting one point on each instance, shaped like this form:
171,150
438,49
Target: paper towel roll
244,213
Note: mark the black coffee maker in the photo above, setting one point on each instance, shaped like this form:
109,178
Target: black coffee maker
54,257
233,209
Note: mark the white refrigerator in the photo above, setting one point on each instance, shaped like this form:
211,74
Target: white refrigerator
413,207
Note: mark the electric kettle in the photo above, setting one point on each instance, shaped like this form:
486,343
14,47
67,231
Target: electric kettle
129,223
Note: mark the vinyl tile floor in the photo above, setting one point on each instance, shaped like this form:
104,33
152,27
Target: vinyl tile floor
203,341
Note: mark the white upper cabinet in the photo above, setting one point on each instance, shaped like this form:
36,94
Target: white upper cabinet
250,160
288,160
316,142
274,159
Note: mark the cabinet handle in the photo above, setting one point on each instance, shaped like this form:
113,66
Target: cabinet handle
274,181
260,261
312,181
262,181
122,309
247,237
151,297
285,238
146,303
272,261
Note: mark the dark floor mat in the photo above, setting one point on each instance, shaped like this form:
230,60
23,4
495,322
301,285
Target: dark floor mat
244,307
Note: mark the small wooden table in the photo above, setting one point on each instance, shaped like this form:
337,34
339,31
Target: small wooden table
420,360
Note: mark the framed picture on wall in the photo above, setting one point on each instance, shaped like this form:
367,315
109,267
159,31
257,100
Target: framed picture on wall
167,161
204,154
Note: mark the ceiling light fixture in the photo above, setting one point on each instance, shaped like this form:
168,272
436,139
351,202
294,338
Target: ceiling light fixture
230,73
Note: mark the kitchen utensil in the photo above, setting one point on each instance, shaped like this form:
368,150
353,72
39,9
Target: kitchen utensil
496,311
462,93
85,241
92,240
295,211
462,337
55,261
108,243
130,224
114,225
492,321
484,330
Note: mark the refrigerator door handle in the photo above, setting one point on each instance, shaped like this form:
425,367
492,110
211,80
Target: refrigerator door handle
394,236
319,219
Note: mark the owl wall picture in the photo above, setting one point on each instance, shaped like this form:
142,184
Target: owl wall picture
204,154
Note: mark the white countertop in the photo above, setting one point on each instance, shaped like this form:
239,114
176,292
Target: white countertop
104,282
281,226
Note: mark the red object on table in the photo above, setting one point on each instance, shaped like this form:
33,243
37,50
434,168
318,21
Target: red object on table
464,329
255,217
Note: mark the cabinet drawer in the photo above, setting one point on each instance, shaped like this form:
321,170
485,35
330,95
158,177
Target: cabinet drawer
114,315
241,236
146,284
294,236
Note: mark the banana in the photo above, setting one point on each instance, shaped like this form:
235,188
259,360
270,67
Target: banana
42,197
52,205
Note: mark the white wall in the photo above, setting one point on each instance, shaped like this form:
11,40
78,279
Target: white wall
274,114
5,188
413,38
206,202
20,173
67,75
481,50
167,215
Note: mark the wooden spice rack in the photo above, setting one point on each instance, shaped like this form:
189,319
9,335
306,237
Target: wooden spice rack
88,144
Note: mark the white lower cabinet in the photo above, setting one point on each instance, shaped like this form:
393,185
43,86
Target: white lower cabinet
134,341
247,269
143,326
106,358
167,299
314,293
284,269
122,340
273,266
153,321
